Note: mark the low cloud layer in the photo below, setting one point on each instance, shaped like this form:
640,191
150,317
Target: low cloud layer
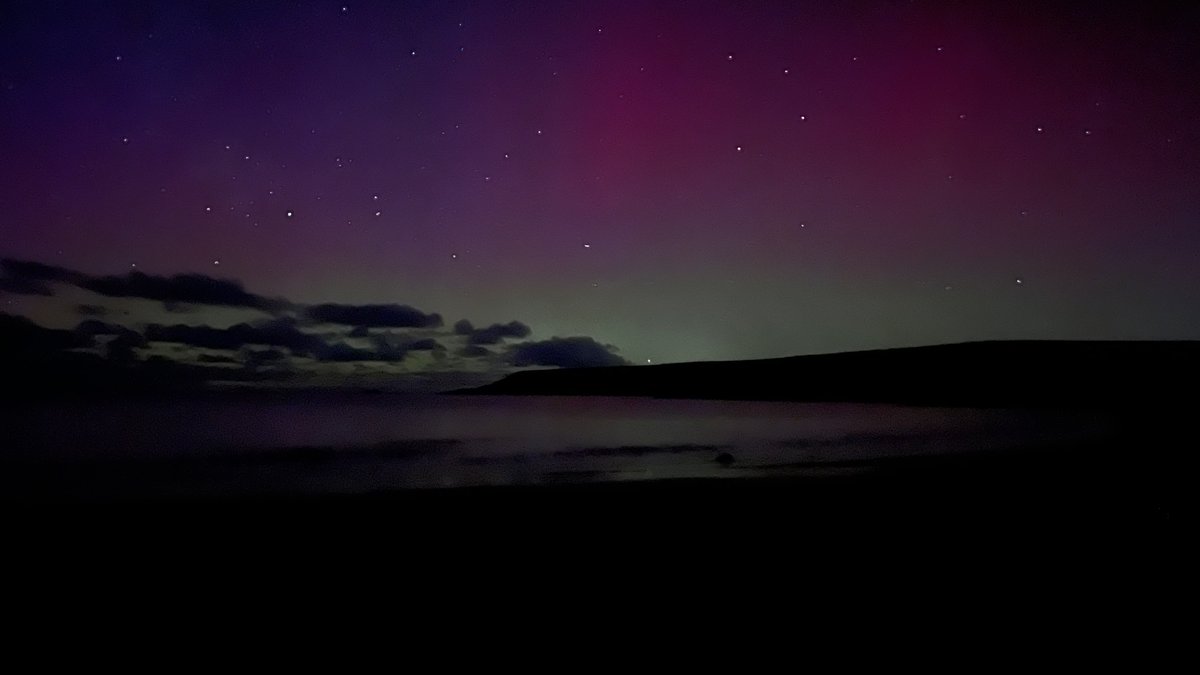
374,316
195,289
277,333
32,278
493,334
569,352
290,342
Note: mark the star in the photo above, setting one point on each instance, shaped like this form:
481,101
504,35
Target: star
587,245
729,57
1019,281
1040,130
208,209
785,71
378,213
739,148
216,262
289,214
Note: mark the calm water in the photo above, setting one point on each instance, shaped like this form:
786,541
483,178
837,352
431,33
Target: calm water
364,443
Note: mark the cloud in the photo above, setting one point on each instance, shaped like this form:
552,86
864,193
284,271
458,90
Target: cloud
195,289
178,307
21,338
196,336
255,358
425,345
374,316
98,350
569,352
94,327
342,352
496,332
25,277
36,271
121,342
284,333
91,310
278,333
30,278
19,286
123,347
493,334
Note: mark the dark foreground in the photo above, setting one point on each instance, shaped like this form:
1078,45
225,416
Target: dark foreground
1072,549
1096,507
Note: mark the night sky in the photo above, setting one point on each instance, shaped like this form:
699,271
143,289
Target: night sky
680,181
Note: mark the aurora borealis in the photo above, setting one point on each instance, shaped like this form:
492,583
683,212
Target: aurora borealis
681,180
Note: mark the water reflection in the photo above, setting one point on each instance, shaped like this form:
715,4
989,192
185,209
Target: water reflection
357,443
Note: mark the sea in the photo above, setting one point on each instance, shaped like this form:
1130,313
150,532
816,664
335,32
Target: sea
311,444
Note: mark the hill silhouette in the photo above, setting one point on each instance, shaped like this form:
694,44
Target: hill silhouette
998,373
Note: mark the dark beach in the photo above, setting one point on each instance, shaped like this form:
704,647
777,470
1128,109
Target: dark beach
1127,494
1104,521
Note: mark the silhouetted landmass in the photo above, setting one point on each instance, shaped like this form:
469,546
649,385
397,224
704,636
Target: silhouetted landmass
1012,373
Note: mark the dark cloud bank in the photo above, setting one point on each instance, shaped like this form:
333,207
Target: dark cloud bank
287,345
572,352
493,334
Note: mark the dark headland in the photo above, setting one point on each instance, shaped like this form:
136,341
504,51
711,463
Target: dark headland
1000,373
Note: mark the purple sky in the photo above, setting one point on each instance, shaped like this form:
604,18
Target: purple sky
690,180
